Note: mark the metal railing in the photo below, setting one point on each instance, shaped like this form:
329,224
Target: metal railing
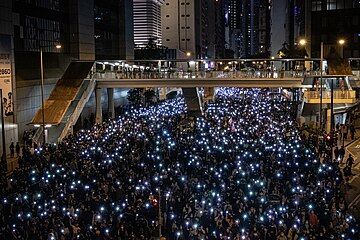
37,135
72,119
338,94
203,75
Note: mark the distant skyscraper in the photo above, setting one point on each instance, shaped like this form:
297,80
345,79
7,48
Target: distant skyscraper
147,22
249,22
234,21
220,22
279,21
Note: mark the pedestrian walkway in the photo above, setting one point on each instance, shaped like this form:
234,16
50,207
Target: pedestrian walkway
353,193
353,148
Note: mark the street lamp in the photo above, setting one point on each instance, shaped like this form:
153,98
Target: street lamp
3,162
332,119
57,46
341,41
302,42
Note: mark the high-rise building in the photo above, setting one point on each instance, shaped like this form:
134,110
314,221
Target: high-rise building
113,23
220,22
249,22
205,28
86,30
234,22
196,27
178,28
147,22
331,20
287,24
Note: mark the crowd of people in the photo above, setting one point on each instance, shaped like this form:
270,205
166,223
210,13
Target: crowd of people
242,171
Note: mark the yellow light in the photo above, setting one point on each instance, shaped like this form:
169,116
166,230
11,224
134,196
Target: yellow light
302,42
188,54
58,46
341,41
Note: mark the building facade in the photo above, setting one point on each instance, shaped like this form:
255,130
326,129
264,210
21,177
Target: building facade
331,20
178,28
288,28
147,22
86,30
249,24
113,23
196,27
220,29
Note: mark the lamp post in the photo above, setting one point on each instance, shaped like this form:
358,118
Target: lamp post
160,217
57,46
341,42
3,157
321,83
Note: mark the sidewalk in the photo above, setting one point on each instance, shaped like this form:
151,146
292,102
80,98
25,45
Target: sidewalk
353,194
353,147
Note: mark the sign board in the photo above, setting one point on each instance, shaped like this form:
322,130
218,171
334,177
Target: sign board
5,74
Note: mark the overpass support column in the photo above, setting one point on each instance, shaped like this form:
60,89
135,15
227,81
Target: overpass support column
328,120
98,114
111,106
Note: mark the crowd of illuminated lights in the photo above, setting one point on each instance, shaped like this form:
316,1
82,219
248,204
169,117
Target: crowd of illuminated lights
292,162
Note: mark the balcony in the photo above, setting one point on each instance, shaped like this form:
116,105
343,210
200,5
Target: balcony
346,96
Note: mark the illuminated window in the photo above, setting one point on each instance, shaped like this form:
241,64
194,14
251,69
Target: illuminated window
316,5
331,5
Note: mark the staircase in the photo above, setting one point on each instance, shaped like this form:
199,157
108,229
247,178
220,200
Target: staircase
59,132
66,101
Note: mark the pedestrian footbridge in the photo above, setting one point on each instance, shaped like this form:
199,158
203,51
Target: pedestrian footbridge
82,78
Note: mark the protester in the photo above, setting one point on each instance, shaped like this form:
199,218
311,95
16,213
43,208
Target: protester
241,171
12,149
342,154
17,149
350,162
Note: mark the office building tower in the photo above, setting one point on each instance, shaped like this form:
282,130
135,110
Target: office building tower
194,27
147,22
114,34
220,28
85,29
249,22
288,28
178,28
331,20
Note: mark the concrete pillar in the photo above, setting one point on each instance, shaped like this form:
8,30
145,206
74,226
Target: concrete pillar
111,106
98,114
328,120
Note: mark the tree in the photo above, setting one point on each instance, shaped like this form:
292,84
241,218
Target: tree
151,51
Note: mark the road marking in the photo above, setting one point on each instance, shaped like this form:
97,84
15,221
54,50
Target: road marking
357,199
352,179
357,166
